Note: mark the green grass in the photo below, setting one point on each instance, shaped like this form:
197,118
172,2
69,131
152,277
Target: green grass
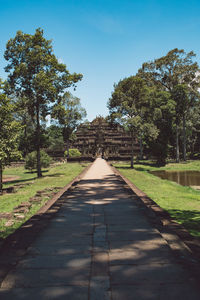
57,176
182,202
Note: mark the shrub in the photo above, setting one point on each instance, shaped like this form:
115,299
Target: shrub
73,153
31,160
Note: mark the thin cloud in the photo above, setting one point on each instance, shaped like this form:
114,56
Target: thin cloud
106,24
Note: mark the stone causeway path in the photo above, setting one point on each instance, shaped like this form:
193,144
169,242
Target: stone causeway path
99,246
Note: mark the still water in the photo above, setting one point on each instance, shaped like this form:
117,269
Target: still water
190,178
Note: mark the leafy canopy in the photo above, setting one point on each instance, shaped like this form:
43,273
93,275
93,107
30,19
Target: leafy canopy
130,105
31,160
9,132
36,76
177,67
34,71
73,153
69,114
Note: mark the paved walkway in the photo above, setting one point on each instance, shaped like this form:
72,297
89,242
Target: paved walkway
99,246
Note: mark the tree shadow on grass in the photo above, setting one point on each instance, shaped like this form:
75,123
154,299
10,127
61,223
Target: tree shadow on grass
190,219
32,172
123,167
13,182
54,175
140,169
18,181
134,168
148,164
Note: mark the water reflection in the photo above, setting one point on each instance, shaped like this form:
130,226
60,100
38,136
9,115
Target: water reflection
189,178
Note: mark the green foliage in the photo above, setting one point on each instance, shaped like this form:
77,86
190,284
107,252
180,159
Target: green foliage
55,138
177,74
31,160
36,76
177,67
130,105
73,153
163,108
28,136
9,133
69,113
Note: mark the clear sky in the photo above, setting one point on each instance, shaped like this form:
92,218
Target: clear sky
105,40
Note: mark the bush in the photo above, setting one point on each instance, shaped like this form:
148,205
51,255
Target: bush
31,160
195,155
73,153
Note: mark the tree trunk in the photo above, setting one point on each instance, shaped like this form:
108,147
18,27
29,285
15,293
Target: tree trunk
39,172
184,139
141,148
132,151
66,141
1,179
25,138
67,148
67,144
177,145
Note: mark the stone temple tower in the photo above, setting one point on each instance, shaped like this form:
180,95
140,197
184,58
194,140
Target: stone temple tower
102,138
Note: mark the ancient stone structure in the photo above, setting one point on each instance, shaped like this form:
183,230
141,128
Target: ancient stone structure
100,138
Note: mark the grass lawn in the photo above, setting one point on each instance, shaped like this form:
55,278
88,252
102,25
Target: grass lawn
57,176
182,202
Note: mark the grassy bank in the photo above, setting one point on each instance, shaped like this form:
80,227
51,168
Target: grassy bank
53,179
182,202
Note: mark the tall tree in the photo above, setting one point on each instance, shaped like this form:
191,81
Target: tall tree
27,134
129,105
69,114
193,130
167,72
162,112
36,76
185,98
9,133
55,138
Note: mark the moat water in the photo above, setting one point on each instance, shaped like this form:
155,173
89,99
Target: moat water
188,178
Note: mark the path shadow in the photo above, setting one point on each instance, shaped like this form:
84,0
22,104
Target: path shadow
141,263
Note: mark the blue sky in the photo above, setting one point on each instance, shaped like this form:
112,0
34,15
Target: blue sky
104,40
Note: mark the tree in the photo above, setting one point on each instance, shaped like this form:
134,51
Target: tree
36,76
55,138
129,105
185,99
162,110
69,114
193,130
27,138
73,153
167,72
9,133
31,160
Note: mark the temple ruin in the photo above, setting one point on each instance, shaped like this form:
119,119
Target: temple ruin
101,138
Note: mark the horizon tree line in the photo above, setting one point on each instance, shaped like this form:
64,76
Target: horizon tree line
159,105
